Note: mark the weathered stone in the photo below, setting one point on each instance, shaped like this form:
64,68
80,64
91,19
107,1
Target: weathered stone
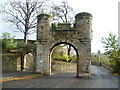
11,62
78,36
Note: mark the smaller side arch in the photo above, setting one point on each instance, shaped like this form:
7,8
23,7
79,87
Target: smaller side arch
31,54
28,62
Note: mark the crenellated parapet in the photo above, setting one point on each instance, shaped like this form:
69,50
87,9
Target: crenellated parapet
82,28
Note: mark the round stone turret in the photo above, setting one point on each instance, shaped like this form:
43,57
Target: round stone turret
44,25
44,21
83,23
82,15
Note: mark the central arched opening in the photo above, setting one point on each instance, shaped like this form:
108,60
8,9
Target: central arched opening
63,58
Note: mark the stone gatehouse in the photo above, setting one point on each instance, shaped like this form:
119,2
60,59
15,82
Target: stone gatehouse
79,37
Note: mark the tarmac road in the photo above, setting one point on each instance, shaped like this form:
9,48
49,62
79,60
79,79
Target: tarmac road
100,78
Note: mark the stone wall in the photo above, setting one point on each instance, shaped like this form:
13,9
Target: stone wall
11,62
60,66
22,41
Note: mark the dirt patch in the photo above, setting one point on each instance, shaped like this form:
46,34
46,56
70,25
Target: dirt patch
115,74
21,77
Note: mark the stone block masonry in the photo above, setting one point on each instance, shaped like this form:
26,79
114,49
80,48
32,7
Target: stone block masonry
11,62
79,37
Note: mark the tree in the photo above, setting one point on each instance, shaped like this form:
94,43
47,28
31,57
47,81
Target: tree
7,42
22,14
111,43
62,13
113,50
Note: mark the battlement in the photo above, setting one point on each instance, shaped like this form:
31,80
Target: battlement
61,26
82,28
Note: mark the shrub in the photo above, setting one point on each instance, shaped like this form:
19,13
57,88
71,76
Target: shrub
72,58
8,42
100,58
115,61
60,56
113,50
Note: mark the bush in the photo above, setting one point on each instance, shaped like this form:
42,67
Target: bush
8,42
72,58
115,61
60,56
63,57
113,50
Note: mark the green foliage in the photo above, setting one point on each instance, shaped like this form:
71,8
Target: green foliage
115,60
8,42
72,58
64,57
100,58
60,56
111,43
113,50
96,58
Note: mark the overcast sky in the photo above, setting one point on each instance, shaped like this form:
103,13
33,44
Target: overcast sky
105,20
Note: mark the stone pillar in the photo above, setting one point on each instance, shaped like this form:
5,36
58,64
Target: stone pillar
43,64
44,24
39,61
84,63
83,26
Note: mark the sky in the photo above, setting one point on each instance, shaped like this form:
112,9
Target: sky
105,20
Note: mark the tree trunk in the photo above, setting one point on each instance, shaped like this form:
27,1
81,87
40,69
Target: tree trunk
26,30
66,21
27,17
25,38
69,49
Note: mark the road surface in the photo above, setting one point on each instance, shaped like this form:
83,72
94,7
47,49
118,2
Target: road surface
100,78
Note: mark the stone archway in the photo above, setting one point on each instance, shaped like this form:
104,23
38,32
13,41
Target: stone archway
58,43
79,36
28,62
